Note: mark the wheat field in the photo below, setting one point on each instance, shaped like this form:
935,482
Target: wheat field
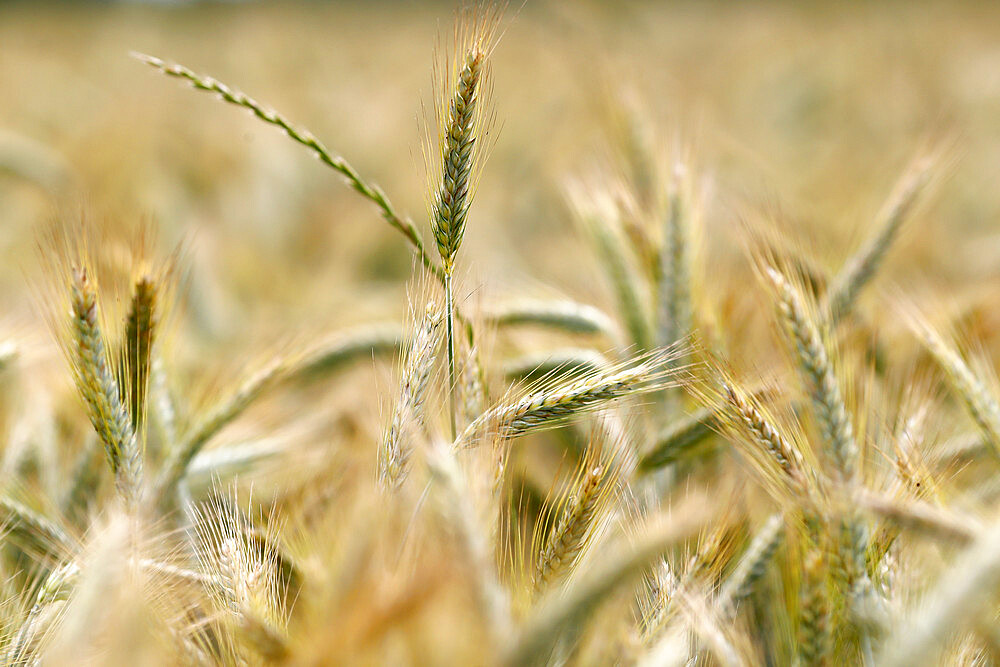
561,334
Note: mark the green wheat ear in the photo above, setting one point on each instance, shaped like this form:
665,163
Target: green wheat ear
97,386
462,118
452,205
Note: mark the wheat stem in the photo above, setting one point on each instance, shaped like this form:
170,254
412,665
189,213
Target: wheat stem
302,136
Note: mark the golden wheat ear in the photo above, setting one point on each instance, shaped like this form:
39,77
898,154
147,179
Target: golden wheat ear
408,414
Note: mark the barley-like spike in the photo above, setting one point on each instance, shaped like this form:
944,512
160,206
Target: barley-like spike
675,271
752,566
860,268
451,207
559,611
96,384
370,192
620,269
765,434
394,453
136,347
161,404
550,406
980,401
472,382
568,536
814,361
31,530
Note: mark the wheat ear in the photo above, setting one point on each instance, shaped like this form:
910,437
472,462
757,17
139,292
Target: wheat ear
560,611
599,218
817,371
860,268
577,520
553,405
96,384
136,348
752,566
31,530
763,433
981,402
675,271
459,135
394,453
814,613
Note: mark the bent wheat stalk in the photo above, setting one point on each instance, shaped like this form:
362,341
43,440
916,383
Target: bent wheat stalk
304,137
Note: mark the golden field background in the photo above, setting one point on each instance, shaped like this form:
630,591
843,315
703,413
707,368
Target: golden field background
811,110
791,117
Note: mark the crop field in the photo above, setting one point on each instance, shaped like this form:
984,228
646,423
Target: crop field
405,333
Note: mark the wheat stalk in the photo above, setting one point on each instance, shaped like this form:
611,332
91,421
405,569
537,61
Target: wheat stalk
304,137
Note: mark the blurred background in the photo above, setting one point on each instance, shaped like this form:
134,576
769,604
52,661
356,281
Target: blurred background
803,111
